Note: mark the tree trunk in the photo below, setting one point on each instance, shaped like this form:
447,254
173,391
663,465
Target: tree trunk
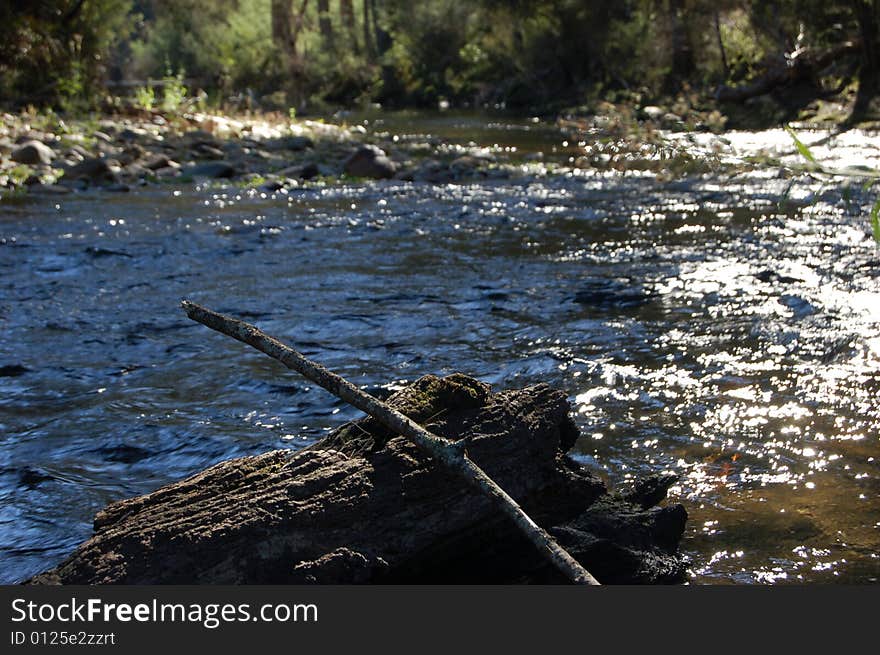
325,24
382,37
723,51
366,506
285,32
682,65
867,15
368,37
346,11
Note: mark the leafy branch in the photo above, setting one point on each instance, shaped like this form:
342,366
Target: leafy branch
815,167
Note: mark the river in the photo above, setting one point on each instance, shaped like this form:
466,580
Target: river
722,328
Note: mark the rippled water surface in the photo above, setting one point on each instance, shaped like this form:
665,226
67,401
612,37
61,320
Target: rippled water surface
727,330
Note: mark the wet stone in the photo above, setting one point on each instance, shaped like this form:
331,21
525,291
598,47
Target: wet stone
156,162
207,152
214,170
303,172
271,186
369,161
95,169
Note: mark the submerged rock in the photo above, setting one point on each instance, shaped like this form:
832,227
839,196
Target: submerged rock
366,506
612,294
466,165
430,170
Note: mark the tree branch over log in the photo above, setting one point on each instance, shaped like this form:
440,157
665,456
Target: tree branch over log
449,453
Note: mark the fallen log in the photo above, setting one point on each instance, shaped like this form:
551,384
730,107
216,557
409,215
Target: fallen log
365,505
785,71
450,454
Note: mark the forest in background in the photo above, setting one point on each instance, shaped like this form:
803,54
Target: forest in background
310,56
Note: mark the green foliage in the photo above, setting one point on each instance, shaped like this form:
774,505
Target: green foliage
225,45
426,57
846,192
744,46
72,89
56,53
875,220
173,91
19,174
800,145
546,53
145,97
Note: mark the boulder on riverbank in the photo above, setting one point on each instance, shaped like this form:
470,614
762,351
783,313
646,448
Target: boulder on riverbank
366,506
33,153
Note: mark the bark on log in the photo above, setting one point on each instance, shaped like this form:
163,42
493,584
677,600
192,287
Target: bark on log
367,506
450,454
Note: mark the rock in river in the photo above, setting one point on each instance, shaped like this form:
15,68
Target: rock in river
304,172
94,169
370,161
212,169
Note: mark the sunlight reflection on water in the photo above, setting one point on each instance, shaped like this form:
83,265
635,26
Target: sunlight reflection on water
698,327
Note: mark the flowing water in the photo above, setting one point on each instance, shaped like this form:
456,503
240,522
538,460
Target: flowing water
723,329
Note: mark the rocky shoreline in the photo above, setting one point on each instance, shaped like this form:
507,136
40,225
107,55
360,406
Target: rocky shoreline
46,154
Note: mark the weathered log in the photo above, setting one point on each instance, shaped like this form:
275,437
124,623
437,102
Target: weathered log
448,453
366,506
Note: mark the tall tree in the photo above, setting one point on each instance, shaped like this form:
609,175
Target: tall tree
286,29
680,42
346,11
368,37
382,37
325,24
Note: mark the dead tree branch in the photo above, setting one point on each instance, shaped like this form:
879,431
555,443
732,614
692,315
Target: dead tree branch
450,454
